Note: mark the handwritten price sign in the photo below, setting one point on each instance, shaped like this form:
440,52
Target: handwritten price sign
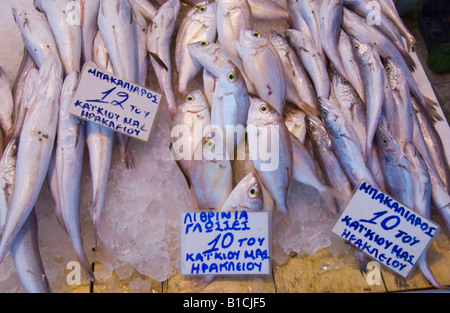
385,229
225,243
107,100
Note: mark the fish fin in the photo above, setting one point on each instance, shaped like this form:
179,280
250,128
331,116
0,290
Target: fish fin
430,106
159,60
282,219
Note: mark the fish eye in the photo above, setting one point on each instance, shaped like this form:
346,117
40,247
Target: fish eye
345,82
201,8
204,43
388,67
264,108
209,144
256,34
324,114
385,141
231,77
197,7
312,128
355,46
190,98
253,192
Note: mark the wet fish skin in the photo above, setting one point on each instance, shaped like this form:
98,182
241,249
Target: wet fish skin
70,144
36,33
7,175
396,167
422,200
27,258
267,10
141,30
147,9
299,88
263,67
372,73
6,104
158,42
232,16
230,106
294,119
247,195
36,139
312,59
264,124
197,25
67,35
309,9
211,175
89,13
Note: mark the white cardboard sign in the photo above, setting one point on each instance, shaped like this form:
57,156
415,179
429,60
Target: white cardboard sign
115,103
385,229
225,243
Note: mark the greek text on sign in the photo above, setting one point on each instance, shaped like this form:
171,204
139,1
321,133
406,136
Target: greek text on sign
385,229
225,243
112,102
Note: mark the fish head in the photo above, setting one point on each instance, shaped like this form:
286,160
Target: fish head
213,147
261,113
167,14
361,50
194,102
278,40
394,73
252,197
230,78
202,49
204,10
329,111
317,132
19,15
300,40
251,39
387,143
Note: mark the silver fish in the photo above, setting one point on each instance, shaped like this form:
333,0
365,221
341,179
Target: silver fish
304,171
312,61
345,144
89,13
6,104
263,67
211,175
396,168
70,143
36,139
147,9
198,25
230,106
247,195
67,33
309,9
294,119
268,132
141,30
232,16
299,88
158,45
331,169
190,120
372,73
27,257
267,10
36,33
7,175
422,200
295,17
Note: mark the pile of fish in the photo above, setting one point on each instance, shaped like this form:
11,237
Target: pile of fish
332,100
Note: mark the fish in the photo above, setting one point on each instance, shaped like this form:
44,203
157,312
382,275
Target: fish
433,143
350,64
329,20
395,167
263,67
146,8
403,121
141,30
267,10
213,57
190,120
299,88
199,24
67,33
266,131
309,10
7,175
6,104
36,139
323,152
304,171
115,23
422,201
312,60
27,257
345,144
159,39
230,106
232,16
88,19
26,66
294,119
296,19
372,73
36,33
246,196
211,173
69,153
99,142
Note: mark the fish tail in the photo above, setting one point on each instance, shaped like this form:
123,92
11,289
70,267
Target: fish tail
430,106
281,217
426,272
85,263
